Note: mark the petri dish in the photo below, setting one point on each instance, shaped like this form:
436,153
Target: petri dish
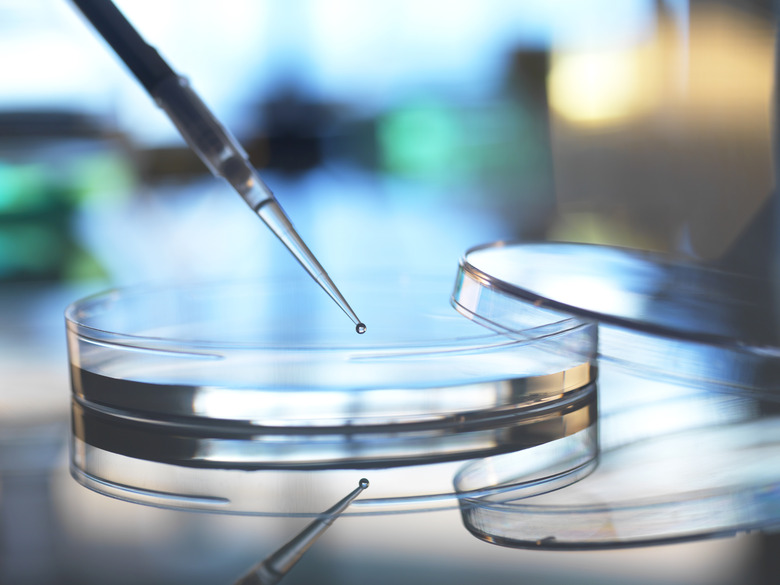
688,386
691,322
259,398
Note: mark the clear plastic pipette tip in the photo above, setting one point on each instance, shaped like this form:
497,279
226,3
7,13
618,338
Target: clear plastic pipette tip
277,565
223,155
244,178
274,217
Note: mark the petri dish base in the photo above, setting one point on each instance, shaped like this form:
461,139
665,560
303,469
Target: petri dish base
256,398
701,483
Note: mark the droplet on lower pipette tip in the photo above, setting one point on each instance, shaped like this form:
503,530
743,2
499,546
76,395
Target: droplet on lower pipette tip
363,483
360,328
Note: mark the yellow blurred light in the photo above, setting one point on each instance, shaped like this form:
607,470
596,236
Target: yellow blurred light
599,87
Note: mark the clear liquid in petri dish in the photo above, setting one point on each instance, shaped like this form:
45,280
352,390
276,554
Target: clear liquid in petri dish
202,426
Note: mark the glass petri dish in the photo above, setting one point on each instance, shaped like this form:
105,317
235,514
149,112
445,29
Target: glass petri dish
226,397
657,316
688,388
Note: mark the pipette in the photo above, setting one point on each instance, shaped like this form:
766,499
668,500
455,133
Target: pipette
272,569
213,143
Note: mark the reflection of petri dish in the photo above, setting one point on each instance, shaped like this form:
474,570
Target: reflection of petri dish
681,320
225,397
702,482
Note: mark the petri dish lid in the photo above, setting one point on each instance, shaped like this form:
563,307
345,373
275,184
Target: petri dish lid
677,460
658,316
225,397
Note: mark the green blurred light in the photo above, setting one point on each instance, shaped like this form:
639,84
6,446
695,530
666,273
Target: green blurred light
82,265
29,250
420,140
38,201
502,147
101,176
23,188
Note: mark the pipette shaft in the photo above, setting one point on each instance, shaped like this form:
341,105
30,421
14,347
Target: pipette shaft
272,569
211,141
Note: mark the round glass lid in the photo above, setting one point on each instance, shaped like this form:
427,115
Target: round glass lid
688,382
686,320
226,397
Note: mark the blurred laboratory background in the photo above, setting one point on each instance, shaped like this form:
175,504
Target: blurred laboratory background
396,135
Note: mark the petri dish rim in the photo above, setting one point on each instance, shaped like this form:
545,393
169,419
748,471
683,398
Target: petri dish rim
81,325
647,326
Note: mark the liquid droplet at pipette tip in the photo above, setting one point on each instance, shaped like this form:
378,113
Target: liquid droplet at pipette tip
361,329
